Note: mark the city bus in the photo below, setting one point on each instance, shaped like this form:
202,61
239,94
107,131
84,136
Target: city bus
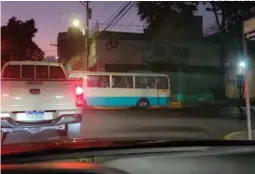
111,89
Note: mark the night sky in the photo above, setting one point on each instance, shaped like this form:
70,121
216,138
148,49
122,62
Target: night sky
53,17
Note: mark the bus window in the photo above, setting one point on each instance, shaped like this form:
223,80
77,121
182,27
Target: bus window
146,82
122,81
98,81
162,82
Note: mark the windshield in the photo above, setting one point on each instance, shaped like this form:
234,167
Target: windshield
141,70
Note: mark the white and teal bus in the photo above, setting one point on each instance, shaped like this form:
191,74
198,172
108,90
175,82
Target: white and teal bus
107,89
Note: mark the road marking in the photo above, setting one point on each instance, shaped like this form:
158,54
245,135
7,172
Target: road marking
110,108
176,105
230,135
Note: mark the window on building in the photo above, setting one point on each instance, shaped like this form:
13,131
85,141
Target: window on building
162,82
179,51
122,81
146,82
98,81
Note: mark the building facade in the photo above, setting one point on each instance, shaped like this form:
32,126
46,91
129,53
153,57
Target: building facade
193,67
235,72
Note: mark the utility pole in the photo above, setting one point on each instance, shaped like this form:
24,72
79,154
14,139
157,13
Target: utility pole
88,16
246,90
248,28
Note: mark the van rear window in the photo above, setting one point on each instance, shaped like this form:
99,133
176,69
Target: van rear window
29,72
11,71
56,72
42,72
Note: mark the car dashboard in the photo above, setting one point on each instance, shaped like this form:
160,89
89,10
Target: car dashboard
183,160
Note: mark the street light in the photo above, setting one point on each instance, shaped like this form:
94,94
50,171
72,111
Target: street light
76,23
243,64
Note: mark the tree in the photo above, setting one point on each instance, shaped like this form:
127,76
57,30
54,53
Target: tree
17,43
230,15
155,12
76,40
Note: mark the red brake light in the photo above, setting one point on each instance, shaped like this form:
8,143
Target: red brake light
78,90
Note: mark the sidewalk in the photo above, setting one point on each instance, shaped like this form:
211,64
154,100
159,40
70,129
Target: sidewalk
182,105
172,105
242,135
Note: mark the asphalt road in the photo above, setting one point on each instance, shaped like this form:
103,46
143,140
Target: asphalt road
197,123
161,123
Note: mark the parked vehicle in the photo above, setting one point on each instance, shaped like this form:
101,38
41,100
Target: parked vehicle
108,89
37,96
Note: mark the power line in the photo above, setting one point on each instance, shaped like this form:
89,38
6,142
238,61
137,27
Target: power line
82,3
119,9
124,25
106,22
123,14
115,19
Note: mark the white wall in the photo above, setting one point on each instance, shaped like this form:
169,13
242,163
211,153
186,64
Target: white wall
127,52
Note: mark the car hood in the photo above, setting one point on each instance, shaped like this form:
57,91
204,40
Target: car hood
74,143
109,143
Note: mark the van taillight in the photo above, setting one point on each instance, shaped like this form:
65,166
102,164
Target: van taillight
79,96
78,90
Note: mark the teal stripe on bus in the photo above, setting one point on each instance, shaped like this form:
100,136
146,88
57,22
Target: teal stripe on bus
125,101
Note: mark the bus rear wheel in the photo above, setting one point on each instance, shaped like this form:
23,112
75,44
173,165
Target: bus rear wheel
143,104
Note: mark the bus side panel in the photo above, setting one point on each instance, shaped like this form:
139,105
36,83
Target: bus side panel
163,97
112,101
121,97
125,101
164,91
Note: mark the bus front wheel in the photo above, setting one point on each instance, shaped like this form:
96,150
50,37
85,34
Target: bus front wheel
143,104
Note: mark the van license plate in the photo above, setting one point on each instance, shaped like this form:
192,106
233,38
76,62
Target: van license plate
35,116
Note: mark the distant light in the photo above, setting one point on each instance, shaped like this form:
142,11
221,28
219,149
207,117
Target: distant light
76,22
78,90
59,96
4,115
56,57
17,98
242,64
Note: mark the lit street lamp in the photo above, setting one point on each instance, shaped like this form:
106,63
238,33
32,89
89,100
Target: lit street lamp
76,23
242,64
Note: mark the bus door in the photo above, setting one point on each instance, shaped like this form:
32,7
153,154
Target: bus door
163,90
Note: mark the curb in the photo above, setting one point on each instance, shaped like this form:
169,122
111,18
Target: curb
232,134
173,105
110,108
